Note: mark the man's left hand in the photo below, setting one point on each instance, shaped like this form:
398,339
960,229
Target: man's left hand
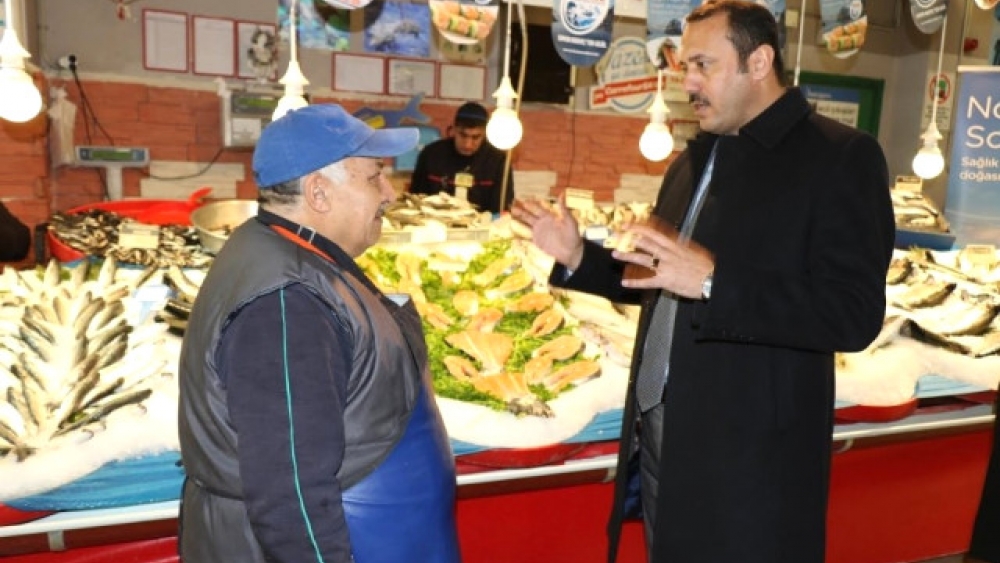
677,265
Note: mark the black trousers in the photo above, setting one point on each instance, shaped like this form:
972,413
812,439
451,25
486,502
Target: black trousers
985,542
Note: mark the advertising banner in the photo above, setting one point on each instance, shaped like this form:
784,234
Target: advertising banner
973,202
626,80
928,15
581,30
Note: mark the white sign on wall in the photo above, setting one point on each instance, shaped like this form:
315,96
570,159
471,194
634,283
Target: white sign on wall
944,85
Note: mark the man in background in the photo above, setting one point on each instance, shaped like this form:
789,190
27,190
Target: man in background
465,164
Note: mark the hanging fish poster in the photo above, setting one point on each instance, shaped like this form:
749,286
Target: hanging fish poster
664,26
320,25
845,23
581,30
928,15
464,21
398,28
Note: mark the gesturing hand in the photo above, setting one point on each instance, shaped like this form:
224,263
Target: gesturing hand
553,229
678,265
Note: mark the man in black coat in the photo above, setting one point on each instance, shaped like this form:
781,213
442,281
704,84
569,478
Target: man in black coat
15,237
768,252
465,164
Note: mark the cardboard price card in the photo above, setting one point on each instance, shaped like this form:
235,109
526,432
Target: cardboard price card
464,21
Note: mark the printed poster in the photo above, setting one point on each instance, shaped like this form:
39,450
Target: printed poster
464,21
398,28
665,21
839,104
845,24
973,202
664,26
581,30
319,25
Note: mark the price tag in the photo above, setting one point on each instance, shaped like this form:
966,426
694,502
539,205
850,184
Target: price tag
138,235
597,234
579,199
913,184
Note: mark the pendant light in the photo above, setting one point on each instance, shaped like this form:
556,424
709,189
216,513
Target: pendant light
929,162
294,81
504,129
656,142
20,100
798,46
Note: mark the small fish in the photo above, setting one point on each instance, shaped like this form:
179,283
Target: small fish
899,270
925,294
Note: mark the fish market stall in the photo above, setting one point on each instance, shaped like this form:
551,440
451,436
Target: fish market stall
530,381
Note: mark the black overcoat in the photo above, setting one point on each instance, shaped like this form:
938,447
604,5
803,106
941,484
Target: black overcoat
799,220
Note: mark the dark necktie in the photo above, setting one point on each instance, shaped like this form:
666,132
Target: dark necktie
655,366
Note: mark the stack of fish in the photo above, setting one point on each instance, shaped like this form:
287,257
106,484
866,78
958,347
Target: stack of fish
95,233
490,326
415,210
951,299
69,357
914,211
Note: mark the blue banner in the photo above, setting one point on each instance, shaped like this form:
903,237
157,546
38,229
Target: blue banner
581,29
973,202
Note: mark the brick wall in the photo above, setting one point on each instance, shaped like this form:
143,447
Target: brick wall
585,150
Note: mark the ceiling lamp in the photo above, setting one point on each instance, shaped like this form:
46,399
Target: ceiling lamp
656,142
929,162
294,81
20,100
504,129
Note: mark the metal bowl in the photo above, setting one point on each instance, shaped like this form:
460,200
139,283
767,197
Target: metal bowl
214,221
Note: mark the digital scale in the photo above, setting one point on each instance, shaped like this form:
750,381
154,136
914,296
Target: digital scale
244,116
112,159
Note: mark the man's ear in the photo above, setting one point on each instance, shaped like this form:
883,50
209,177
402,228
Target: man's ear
759,62
316,192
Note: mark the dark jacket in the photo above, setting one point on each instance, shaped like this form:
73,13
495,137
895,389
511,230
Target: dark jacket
15,237
800,223
225,517
439,162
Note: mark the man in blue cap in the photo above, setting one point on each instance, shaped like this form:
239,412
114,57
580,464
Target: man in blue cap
307,423
465,164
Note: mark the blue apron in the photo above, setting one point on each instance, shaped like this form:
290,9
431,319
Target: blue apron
404,510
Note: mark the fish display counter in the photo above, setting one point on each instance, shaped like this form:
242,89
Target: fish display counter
900,491
530,382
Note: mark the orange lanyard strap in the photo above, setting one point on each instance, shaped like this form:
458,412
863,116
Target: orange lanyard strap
299,241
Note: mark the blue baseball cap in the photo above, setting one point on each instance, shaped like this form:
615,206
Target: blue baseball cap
307,139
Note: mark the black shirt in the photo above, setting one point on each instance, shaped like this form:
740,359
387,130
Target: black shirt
441,168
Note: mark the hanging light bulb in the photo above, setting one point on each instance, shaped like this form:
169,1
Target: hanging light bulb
929,162
504,129
20,100
656,142
294,81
